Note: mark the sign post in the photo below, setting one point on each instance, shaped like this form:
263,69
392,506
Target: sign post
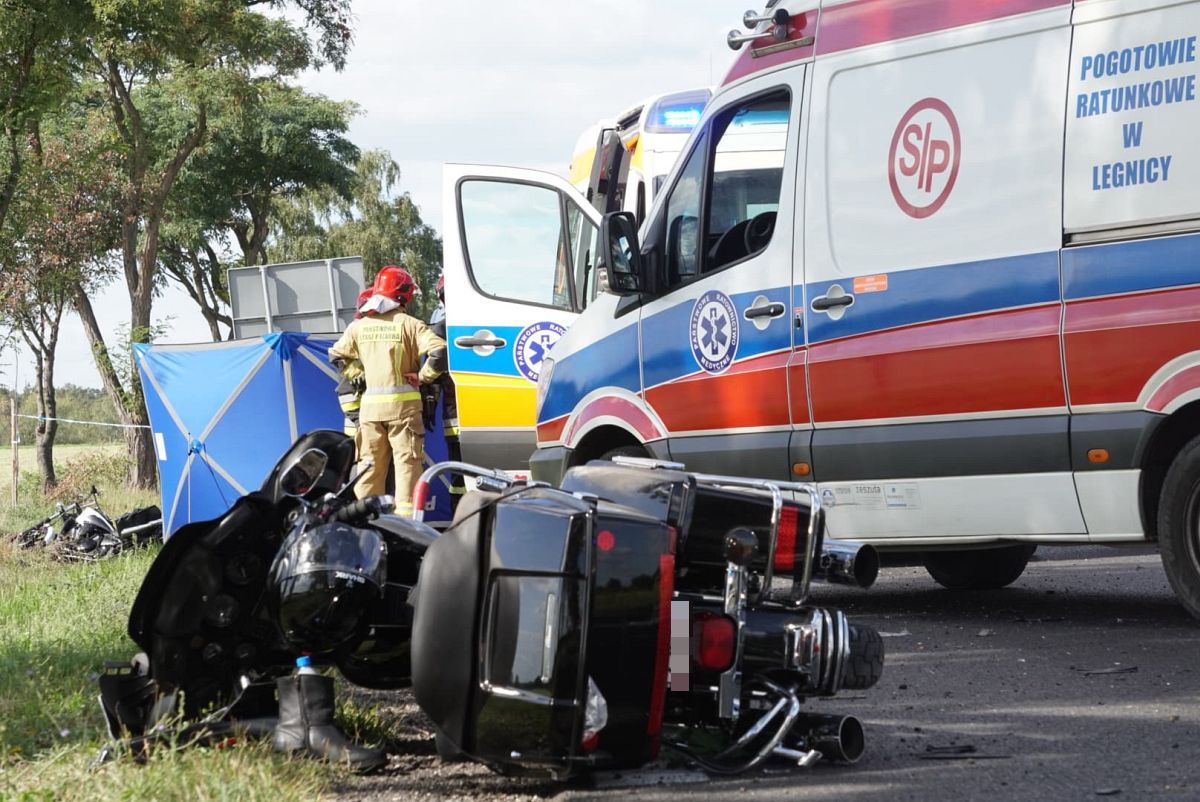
16,440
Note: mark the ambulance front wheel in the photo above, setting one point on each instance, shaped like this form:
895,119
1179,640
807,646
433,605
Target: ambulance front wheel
625,451
1179,526
979,569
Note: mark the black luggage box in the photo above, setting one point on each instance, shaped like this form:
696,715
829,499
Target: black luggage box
519,603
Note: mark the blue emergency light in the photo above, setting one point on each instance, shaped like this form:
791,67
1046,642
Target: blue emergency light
677,113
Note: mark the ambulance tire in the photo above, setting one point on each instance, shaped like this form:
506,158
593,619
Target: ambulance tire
979,569
625,451
1179,526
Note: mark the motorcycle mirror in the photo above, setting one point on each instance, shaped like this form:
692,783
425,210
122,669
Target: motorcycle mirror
95,492
740,546
299,477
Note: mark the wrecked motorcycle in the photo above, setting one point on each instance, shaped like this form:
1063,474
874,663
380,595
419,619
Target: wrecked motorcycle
549,631
638,607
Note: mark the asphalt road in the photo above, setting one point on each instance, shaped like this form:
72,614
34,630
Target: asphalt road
1080,681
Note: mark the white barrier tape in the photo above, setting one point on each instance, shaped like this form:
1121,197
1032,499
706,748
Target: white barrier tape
88,422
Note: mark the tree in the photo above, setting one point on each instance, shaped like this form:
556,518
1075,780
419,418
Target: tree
281,144
41,44
377,222
163,66
61,223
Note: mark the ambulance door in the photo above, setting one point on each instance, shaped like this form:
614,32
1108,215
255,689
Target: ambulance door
518,267
932,308
717,328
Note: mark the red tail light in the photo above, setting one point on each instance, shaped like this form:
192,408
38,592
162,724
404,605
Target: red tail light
785,543
714,641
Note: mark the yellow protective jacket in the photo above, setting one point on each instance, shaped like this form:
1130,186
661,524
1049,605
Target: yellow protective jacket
389,345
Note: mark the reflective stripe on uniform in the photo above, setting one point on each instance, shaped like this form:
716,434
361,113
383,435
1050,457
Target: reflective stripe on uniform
383,395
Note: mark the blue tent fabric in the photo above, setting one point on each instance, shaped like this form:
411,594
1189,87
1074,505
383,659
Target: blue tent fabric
223,413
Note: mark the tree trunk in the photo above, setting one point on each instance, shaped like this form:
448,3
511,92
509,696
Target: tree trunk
143,463
47,428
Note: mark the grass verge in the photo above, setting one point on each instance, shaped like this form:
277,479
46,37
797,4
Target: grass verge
58,624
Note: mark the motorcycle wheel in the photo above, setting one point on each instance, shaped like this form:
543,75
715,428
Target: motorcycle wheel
865,666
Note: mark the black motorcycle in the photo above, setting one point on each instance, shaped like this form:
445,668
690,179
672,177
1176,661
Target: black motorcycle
547,630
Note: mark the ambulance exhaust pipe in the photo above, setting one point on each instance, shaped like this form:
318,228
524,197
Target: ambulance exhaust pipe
846,562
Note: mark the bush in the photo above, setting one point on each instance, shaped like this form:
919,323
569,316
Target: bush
104,469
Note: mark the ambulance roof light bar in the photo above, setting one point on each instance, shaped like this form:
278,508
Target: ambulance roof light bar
775,24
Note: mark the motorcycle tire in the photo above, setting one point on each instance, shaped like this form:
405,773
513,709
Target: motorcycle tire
865,666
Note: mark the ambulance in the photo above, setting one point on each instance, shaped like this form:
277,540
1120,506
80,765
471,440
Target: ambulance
622,163
959,290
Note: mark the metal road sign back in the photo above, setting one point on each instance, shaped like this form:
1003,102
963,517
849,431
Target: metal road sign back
313,297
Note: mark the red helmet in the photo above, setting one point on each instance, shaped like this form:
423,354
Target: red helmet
441,287
395,283
363,297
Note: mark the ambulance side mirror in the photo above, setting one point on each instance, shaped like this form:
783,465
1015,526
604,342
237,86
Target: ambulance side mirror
621,256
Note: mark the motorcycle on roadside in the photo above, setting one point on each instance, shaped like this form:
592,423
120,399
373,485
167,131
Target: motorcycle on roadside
83,531
551,631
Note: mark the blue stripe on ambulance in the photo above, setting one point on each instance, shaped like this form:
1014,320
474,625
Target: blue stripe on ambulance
665,336
611,362
1127,267
927,294
500,363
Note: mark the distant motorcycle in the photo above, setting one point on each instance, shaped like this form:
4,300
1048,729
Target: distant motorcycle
82,530
547,630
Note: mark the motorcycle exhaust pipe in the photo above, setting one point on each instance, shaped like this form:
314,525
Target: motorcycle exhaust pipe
839,739
845,562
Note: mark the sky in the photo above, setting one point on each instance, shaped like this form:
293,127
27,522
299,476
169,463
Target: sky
512,83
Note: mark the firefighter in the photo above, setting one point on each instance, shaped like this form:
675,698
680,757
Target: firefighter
444,386
350,387
389,343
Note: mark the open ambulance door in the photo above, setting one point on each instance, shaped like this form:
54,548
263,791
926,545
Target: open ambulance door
519,267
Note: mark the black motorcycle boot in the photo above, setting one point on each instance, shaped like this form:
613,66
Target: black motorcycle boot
306,724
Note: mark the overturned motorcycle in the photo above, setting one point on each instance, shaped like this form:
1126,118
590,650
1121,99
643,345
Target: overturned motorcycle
547,630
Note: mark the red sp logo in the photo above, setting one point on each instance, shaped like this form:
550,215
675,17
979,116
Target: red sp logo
923,160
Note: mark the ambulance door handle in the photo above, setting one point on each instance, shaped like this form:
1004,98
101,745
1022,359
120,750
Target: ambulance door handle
482,342
769,310
834,302
825,302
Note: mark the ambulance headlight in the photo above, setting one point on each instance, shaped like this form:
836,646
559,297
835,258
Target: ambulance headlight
543,384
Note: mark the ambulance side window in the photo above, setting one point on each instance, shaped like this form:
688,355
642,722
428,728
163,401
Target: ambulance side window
683,217
514,241
747,175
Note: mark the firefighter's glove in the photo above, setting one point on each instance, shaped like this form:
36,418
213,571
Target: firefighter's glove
429,402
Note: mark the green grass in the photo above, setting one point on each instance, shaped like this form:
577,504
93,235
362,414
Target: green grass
59,622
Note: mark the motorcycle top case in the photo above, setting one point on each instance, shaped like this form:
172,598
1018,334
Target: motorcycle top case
703,513
524,599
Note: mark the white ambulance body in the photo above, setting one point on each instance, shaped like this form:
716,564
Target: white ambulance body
961,292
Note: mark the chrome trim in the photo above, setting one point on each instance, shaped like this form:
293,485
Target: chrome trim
729,695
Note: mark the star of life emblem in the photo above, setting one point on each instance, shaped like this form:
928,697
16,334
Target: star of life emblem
714,332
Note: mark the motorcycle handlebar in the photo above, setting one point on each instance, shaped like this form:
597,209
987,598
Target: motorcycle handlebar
365,508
